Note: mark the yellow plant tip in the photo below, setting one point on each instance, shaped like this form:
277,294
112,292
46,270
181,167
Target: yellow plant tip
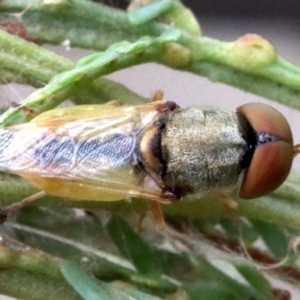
252,51
176,55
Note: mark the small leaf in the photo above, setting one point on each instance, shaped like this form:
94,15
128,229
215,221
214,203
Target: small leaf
254,277
85,286
218,276
133,247
91,289
148,12
273,236
133,293
237,230
198,291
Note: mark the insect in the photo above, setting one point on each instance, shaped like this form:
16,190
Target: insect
156,151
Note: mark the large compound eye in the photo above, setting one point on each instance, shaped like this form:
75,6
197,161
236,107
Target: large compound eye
271,162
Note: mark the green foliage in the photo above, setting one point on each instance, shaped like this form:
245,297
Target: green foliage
133,247
90,289
90,250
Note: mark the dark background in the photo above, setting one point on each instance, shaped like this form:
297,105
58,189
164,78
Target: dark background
236,8
240,8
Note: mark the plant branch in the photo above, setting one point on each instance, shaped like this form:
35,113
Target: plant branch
250,58
283,209
87,70
30,274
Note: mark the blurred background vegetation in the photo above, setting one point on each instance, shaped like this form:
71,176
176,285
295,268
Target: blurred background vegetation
57,249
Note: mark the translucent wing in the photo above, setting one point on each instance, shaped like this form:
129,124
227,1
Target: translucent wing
85,152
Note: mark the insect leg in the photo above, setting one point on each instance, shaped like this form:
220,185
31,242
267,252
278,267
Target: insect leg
157,214
158,95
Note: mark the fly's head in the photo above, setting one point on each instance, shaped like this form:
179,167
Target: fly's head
271,147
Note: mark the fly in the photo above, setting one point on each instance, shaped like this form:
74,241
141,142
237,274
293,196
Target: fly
157,151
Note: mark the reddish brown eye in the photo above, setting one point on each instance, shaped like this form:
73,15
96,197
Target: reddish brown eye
271,162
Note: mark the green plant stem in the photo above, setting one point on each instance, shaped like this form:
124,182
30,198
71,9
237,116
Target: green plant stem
88,69
81,22
39,65
250,83
249,63
27,273
230,63
279,209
